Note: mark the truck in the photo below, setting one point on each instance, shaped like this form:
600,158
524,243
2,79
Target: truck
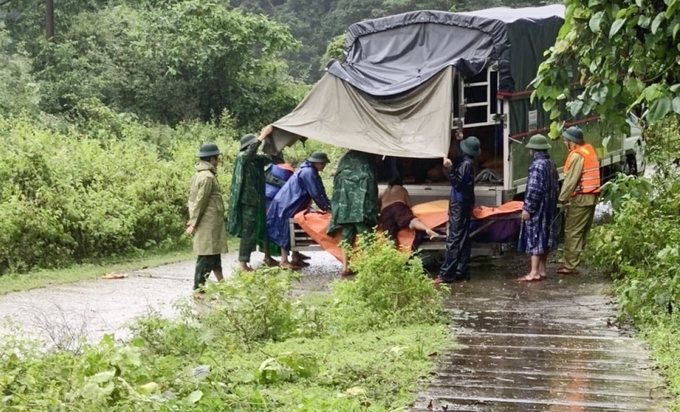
409,81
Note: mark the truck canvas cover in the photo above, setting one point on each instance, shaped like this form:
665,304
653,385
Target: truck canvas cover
393,93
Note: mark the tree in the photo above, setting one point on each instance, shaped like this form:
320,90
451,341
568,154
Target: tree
19,91
335,50
166,61
624,53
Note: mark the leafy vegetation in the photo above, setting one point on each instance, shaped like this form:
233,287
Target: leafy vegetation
250,347
111,188
160,60
639,246
623,52
379,297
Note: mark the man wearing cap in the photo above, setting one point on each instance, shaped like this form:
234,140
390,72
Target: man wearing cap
303,187
580,191
355,200
458,243
538,234
247,200
206,216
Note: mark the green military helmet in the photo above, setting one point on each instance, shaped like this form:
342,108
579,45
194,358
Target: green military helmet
318,157
538,142
574,134
471,146
208,150
247,140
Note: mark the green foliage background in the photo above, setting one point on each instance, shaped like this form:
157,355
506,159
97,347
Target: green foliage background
625,53
640,248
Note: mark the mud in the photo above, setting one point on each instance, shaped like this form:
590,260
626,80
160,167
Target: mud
91,309
546,346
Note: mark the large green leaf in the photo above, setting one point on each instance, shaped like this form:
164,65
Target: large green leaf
676,104
657,22
194,397
659,109
575,107
616,27
595,22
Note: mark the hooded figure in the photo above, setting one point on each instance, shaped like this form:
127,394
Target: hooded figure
206,216
247,199
303,187
458,243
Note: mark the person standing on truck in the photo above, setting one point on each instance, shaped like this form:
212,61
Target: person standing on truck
462,201
538,234
303,187
206,217
580,193
247,200
355,200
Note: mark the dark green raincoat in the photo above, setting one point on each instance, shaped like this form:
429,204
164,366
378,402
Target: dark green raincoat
355,191
246,215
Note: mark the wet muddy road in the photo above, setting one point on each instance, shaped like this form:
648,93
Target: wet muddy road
92,309
546,346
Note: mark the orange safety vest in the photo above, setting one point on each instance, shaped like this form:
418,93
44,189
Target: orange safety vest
590,175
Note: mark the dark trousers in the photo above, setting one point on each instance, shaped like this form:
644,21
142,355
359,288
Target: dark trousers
204,265
458,243
248,242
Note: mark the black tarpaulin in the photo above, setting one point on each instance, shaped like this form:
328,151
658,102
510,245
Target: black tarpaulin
394,54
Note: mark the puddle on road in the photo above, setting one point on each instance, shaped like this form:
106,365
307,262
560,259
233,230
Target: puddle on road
546,346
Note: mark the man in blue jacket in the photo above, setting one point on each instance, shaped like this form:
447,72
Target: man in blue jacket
458,243
303,187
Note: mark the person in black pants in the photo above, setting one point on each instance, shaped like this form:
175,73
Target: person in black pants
458,243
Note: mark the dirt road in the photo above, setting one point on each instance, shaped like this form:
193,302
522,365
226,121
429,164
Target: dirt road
98,307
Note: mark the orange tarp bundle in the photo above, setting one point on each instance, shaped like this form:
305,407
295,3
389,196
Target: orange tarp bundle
433,214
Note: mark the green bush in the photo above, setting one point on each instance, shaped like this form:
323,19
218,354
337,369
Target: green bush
70,197
252,307
391,288
639,246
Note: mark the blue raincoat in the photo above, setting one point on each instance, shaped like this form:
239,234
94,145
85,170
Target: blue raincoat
303,187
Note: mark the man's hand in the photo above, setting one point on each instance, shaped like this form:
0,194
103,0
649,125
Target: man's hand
190,229
266,131
525,215
447,162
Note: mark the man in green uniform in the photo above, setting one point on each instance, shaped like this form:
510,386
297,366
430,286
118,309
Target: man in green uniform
206,216
247,198
580,192
355,199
